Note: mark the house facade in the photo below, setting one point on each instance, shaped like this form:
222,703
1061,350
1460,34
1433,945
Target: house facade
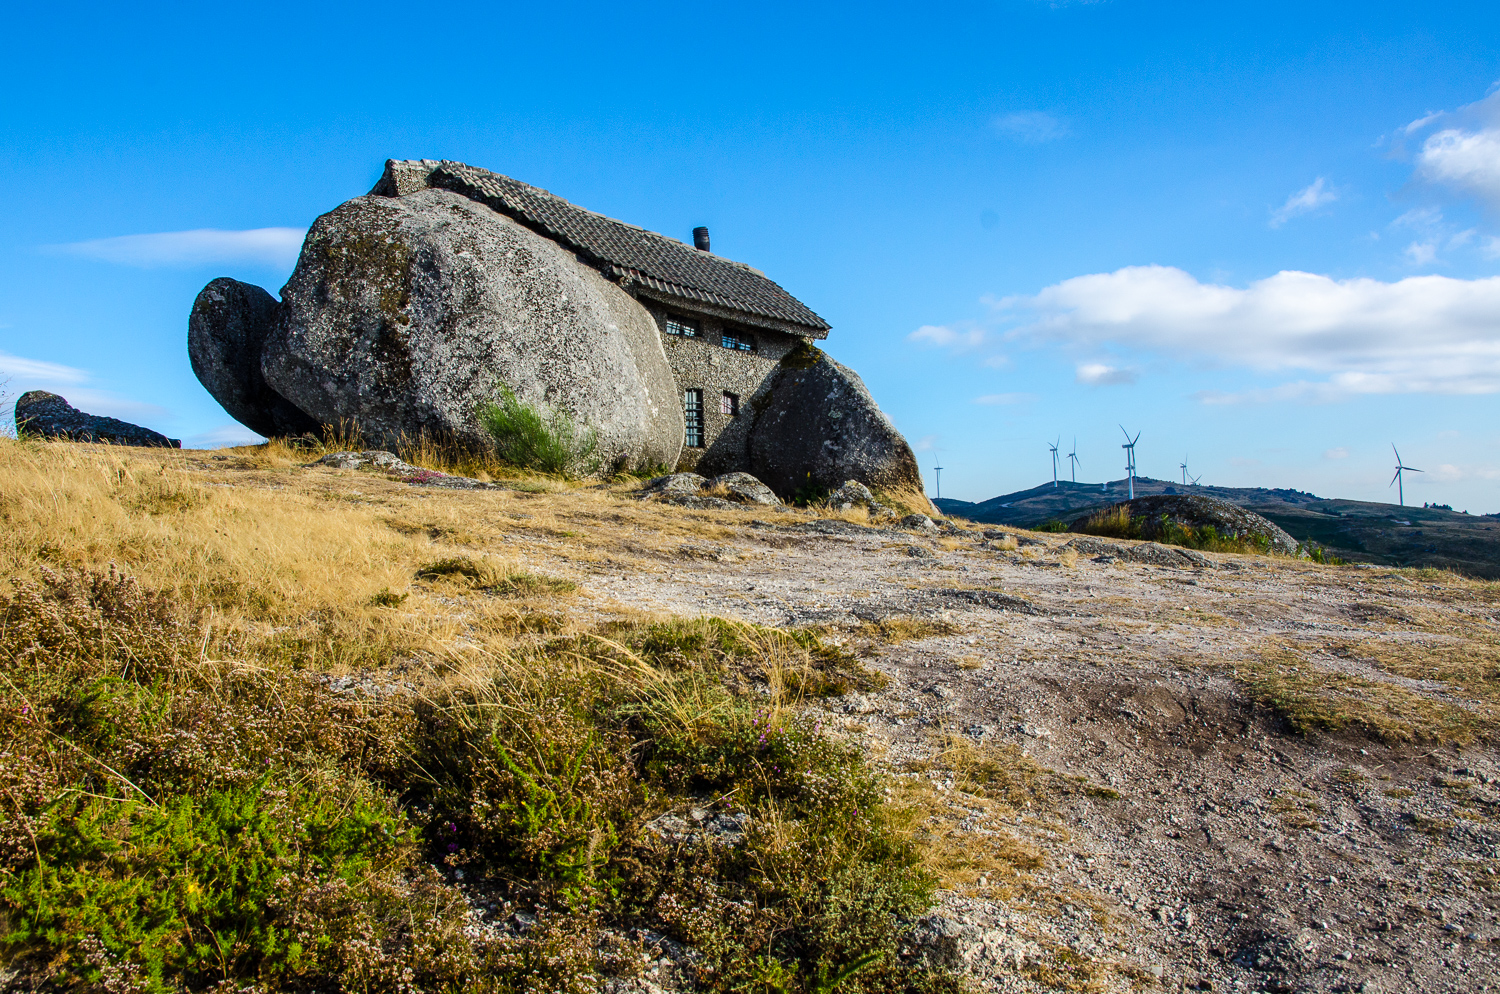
725,326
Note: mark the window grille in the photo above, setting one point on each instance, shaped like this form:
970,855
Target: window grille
682,326
737,340
729,405
692,409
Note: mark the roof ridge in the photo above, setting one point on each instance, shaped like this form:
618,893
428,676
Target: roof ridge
666,265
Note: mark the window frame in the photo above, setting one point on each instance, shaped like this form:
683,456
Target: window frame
685,327
737,341
729,404
692,403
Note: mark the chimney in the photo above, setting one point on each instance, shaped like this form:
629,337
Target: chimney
700,239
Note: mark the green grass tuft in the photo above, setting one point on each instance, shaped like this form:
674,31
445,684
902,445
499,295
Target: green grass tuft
530,437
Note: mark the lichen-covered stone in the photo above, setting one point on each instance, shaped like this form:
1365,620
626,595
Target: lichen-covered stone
227,331
743,488
817,427
46,415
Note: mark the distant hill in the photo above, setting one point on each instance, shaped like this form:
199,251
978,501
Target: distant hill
1359,531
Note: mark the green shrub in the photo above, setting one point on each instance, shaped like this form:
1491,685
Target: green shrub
532,438
1051,526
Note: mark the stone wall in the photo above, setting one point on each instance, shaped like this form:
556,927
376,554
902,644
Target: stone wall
703,363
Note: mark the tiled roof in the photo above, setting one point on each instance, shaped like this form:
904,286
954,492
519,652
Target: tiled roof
630,254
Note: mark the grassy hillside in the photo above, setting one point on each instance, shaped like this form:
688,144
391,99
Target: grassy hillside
1358,531
315,731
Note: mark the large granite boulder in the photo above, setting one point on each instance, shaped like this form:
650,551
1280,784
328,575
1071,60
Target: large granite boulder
43,414
1163,517
227,332
817,427
406,312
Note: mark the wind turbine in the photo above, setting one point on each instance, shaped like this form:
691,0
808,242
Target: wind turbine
1053,447
1073,458
1196,479
1183,466
1129,448
938,470
1397,480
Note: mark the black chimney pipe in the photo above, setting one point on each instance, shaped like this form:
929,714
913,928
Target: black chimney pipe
700,239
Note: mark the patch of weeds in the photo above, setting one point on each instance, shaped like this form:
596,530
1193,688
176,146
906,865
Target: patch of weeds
905,628
1309,698
1117,522
1320,555
388,598
1399,793
183,823
1298,809
481,576
797,661
531,437
1051,526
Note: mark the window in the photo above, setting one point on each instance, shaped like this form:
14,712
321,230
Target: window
692,409
729,405
737,340
682,326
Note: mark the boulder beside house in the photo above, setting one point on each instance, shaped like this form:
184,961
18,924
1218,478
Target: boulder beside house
414,304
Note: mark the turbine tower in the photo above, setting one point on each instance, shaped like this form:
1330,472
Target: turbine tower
939,471
1129,448
1073,458
1053,447
1183,466
1397,481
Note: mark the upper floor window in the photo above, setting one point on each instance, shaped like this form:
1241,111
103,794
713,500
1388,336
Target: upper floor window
737,340
683,326
729,405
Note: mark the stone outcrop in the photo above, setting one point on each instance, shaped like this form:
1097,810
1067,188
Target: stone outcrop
47,415
1156,516
721,492
817,426
405,314
227,332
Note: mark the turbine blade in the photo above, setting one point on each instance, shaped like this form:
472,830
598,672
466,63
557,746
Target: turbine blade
1393,480
1410,469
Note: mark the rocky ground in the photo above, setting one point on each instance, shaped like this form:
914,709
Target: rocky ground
1238,855
1191,838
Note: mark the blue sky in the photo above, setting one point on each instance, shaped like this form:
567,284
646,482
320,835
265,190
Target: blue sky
1264,235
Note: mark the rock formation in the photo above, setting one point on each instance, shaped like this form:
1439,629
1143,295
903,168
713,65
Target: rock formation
227,333
50,416
1151,518
404,314
817,426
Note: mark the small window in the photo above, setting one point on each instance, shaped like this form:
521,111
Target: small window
729,405
737,340
682,326
692,409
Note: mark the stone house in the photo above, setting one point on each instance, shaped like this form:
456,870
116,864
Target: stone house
725,326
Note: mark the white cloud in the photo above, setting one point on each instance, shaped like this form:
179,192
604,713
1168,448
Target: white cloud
19,369
1097,374
1002,399
926,443
1422,334
1031,127
1421,253
205,246
1308,199
1465,156
224,436
1338,453
1490,247
943,336
25,374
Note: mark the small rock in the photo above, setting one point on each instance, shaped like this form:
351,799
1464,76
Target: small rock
1033,731
743,489
920,552
674,485
918,522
